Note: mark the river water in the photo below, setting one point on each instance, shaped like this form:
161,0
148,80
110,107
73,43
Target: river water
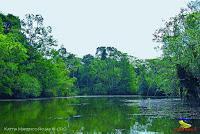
98,115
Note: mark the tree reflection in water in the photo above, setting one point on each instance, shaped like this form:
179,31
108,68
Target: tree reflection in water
97,115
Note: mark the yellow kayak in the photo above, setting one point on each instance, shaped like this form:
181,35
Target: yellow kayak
184,124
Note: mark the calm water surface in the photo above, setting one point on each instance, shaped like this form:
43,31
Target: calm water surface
97,115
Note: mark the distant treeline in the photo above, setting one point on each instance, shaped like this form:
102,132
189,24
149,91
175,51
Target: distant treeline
32,64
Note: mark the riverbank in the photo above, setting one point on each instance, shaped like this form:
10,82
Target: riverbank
92,96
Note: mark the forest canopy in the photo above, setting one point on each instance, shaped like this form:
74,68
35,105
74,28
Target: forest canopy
33,64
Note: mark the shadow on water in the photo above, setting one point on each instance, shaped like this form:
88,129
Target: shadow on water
127,115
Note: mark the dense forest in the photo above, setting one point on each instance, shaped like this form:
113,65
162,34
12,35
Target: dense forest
33,64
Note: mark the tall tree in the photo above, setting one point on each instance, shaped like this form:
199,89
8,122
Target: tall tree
180,38
38,36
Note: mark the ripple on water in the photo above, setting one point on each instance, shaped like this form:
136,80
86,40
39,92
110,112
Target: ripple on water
171,108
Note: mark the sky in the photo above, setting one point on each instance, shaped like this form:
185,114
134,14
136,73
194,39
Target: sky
83,25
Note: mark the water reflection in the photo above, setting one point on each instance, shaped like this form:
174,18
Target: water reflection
96,115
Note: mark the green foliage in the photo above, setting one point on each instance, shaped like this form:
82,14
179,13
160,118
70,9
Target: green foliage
109,73
11,51
26,86
38,36
1,26
180,38
31,65
24,69
53,77
128,76
12,54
